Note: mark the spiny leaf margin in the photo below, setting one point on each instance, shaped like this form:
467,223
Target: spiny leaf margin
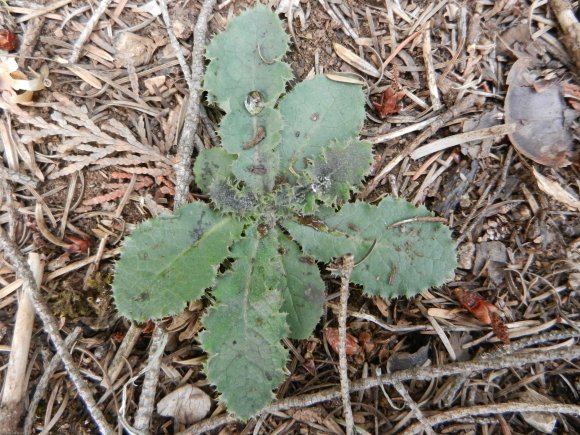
153,276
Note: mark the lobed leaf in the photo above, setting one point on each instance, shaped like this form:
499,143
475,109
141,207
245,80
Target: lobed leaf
243,330
305,291
170,260
245,59
315,113
339,169
405,259
254,138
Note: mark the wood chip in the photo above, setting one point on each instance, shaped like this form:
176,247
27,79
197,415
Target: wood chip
470,136
556,191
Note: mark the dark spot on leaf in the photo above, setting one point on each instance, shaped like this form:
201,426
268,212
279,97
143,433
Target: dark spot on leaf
306,259
258,169
353,227
196,234
297,133
234,342
315,116
282,251
263,229
144,296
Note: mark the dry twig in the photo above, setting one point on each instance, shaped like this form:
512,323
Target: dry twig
493,409
185,146
15,381
87,30
344,266
183,177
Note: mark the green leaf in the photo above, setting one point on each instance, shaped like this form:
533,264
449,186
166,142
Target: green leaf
212,164
243,330
340,169
305,291
254,139
170,260
245,58
405,260
315,113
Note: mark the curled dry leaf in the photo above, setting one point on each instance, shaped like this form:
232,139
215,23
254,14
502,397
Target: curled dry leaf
542,116
12,80
187,404
389,102
352,346
484,311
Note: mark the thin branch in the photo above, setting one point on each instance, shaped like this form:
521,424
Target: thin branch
175,44
418,374
344,266
15,257
88,29
147,398
186,141
492,409
123,352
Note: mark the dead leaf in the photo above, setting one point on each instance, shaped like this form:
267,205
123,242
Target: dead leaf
543,118
132,48
85,75
556,191
490,260
355,61
484,311
541,421
187,404
8,40
78,245
352,346
404,360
